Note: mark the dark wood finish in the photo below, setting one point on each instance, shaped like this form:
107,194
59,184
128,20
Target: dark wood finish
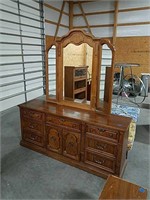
75,83
85,139
89,83
117,188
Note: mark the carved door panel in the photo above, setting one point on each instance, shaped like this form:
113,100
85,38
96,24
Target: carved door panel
54,139
71,144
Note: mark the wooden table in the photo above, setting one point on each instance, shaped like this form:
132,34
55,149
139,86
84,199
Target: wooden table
117,188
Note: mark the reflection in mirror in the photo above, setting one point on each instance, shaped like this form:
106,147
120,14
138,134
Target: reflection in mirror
106,62
77,68
52,72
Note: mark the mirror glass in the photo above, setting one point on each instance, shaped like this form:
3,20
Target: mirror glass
106,63
77,72
52,72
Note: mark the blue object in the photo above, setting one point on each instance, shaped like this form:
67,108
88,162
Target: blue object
141,190
126,111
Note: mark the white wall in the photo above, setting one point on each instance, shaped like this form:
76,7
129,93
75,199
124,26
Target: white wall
123,17
53,15
102,19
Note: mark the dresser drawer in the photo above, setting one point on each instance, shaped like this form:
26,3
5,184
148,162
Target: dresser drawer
103,132
33,137
32,114
60,121
99,161
32,125
100,145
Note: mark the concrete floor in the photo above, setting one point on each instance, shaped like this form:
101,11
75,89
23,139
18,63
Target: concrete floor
26,174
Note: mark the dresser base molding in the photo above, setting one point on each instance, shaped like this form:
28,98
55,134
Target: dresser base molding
89,141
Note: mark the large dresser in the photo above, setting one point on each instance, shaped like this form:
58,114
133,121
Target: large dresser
91,141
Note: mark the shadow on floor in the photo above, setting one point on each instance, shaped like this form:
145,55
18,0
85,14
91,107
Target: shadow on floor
77,194
142,134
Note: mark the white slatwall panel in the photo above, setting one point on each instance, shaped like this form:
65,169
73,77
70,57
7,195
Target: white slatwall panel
21,65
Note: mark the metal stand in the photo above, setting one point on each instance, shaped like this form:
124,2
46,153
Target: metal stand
129,84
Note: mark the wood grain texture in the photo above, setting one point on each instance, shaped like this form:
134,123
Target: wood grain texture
117,188
91,141
134,50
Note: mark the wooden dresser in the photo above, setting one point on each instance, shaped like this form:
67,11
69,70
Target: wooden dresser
91,141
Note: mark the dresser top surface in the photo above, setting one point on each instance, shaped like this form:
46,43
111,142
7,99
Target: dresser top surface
93,117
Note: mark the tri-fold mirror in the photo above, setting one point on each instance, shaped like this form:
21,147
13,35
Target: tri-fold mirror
80,71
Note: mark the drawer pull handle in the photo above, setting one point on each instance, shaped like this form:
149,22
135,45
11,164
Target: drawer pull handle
99,161
71,144
62,120
31,125
101,130
33,137
111,134
100,146
53,138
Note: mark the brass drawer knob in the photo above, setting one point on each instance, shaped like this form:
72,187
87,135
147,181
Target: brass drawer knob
101,146
101,130
99,161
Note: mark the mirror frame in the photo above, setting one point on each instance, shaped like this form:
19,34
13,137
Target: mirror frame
49,43
106,105
77,37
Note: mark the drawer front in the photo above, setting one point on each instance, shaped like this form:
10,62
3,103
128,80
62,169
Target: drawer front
100,161
32,114
102,132
63,122
80,73
100,145
33,137
32,125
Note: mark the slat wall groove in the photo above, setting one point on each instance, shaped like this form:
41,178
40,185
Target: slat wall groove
4,20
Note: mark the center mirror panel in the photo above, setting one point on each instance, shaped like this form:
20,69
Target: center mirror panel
77,72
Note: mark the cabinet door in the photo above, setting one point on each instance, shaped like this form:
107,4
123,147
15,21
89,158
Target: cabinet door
71,144
54,139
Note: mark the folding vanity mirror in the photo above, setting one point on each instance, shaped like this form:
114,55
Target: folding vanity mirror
75,69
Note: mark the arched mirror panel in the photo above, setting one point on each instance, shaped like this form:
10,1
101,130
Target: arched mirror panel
77,72
106,61
105,81
52,72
